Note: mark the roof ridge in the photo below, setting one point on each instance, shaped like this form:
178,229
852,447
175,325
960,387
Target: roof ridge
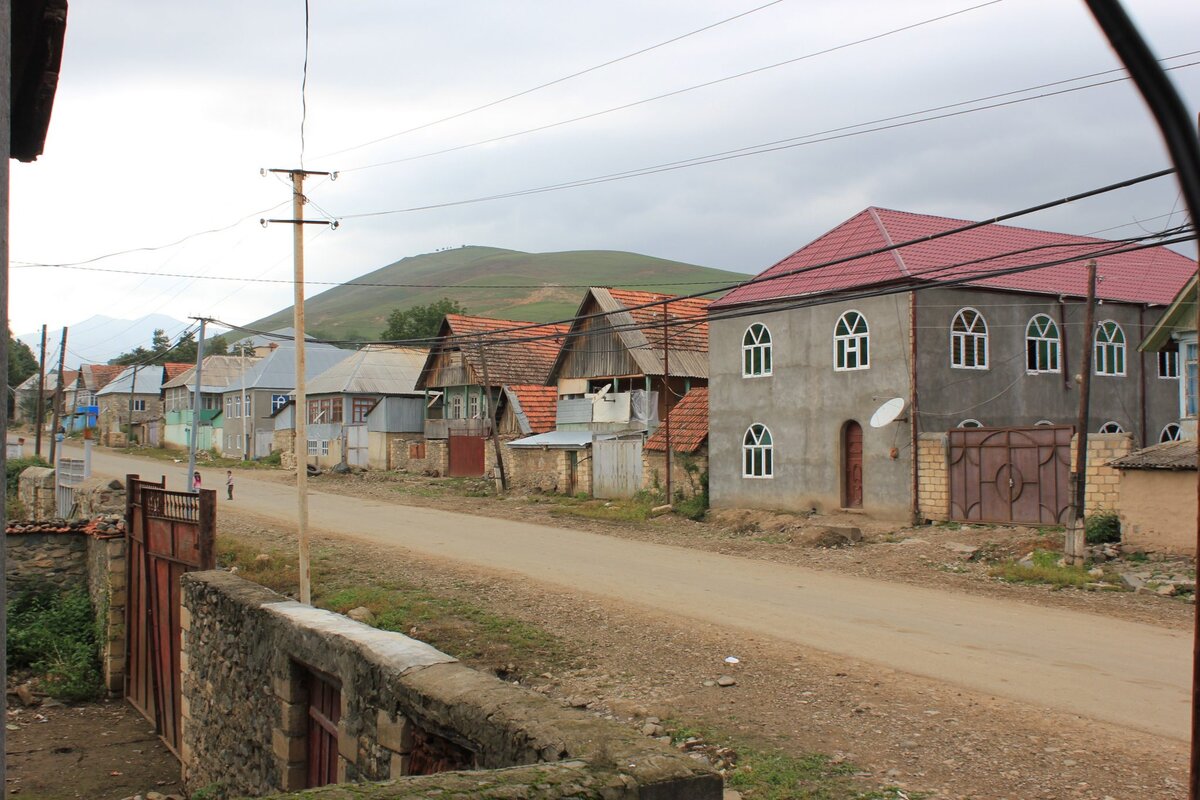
887,238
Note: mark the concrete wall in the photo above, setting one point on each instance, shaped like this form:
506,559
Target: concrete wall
654,471
805,404
1149,503
246,651
1004,395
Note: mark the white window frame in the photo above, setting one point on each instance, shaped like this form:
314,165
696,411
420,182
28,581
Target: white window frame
1112,426
1110,349
456,406
278,401
757,343
972,339
1171,432
1168,364
472,405
853,345
1043,422
139,405
312,447
1053,345
1189,396
324,447
758,456
970,423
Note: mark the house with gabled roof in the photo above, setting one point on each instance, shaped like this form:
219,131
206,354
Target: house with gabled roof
217,372
136,395
685,434
976,338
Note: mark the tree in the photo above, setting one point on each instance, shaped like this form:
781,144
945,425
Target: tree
21,364
419,322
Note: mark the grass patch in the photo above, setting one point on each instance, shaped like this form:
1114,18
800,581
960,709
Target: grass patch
53,635
1044,569
635,509
204,459
455,626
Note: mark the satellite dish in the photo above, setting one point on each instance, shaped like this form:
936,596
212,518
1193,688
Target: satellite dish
888,412
599,396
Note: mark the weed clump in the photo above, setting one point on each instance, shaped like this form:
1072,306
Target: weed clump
54,636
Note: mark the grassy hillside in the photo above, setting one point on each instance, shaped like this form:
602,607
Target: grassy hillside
360,311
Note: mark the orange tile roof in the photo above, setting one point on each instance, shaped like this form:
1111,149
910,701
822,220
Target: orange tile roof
174,369
681,336
689,424
513,357
539,404
103,374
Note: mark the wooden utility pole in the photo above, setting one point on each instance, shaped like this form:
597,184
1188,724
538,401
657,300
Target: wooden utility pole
39,412
492,406
301,445
58,396
667,400
190,485
1076,532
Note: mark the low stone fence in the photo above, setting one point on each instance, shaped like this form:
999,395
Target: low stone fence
686,471
35,490
256,668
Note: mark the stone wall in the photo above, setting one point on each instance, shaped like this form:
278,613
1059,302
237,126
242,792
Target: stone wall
35,489
654,471
285,442
933,488
408,451
106,585
39,560
249,656
98,496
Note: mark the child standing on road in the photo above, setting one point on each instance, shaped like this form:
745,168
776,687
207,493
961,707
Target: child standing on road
196,481
229,482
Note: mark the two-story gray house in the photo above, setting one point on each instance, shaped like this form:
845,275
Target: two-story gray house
964,330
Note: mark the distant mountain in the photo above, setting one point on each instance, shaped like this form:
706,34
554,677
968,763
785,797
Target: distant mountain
99,338
358,310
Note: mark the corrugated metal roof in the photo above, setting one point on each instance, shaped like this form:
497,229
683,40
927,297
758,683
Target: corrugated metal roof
1153,275
1168,455
372,370
149,381
570,440
218,372
276,369
689,424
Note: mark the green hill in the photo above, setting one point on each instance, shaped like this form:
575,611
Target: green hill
354,310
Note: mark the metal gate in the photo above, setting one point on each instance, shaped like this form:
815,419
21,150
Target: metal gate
69,474
166,534
1011,474
466,456
264,441
357,445
616,467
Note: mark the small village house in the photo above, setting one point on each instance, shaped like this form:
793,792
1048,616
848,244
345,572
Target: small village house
360,405
27,394
804,357
217,373
135,394
262,387
463,380
688,444
82,411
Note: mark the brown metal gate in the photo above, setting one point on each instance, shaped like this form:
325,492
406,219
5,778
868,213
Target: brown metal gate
167,534
466,456
1011,474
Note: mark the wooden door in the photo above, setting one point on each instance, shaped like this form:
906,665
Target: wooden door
616,468
324,713
852,461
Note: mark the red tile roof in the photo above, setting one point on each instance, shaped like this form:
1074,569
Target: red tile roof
539,404
682,337
513,357
103,374
174,369
1153,275
689,424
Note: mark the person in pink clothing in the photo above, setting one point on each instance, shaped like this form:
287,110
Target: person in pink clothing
196,481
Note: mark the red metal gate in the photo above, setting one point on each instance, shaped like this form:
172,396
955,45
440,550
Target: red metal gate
466,456
167,534
1011,474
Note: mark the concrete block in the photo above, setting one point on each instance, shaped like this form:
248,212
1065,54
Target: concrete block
398,767
347,744
288,689
185,617
289,748
293,718
293,776
394,734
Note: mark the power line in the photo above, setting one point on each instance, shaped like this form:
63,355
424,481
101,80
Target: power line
686,89
304,86
728,155
550,83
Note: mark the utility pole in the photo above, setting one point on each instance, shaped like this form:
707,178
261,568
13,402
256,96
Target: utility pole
190,485
1076,533
492,406
667,400
301,446
132,387
38,414
245,403
58,395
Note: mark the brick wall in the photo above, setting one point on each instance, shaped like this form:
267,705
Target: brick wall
654,471
933,488
245,653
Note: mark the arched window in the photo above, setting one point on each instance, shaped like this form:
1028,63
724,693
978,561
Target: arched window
756,351
970,423
757,457
968,340
1111,427
1171,432
1110,349
1043,422
1041,345
851,342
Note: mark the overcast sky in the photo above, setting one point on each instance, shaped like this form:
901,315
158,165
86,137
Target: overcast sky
164,117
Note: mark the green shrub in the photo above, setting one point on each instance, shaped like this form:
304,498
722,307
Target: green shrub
273,460
1103,527
54,635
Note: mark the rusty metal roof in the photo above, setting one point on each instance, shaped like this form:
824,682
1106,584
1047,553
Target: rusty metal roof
1168,455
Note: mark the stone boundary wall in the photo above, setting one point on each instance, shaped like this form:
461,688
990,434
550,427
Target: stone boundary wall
246,653
98,496
35,490
39,560
106,585
1103,481
654,471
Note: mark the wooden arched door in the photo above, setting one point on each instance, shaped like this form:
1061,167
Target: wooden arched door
852,465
